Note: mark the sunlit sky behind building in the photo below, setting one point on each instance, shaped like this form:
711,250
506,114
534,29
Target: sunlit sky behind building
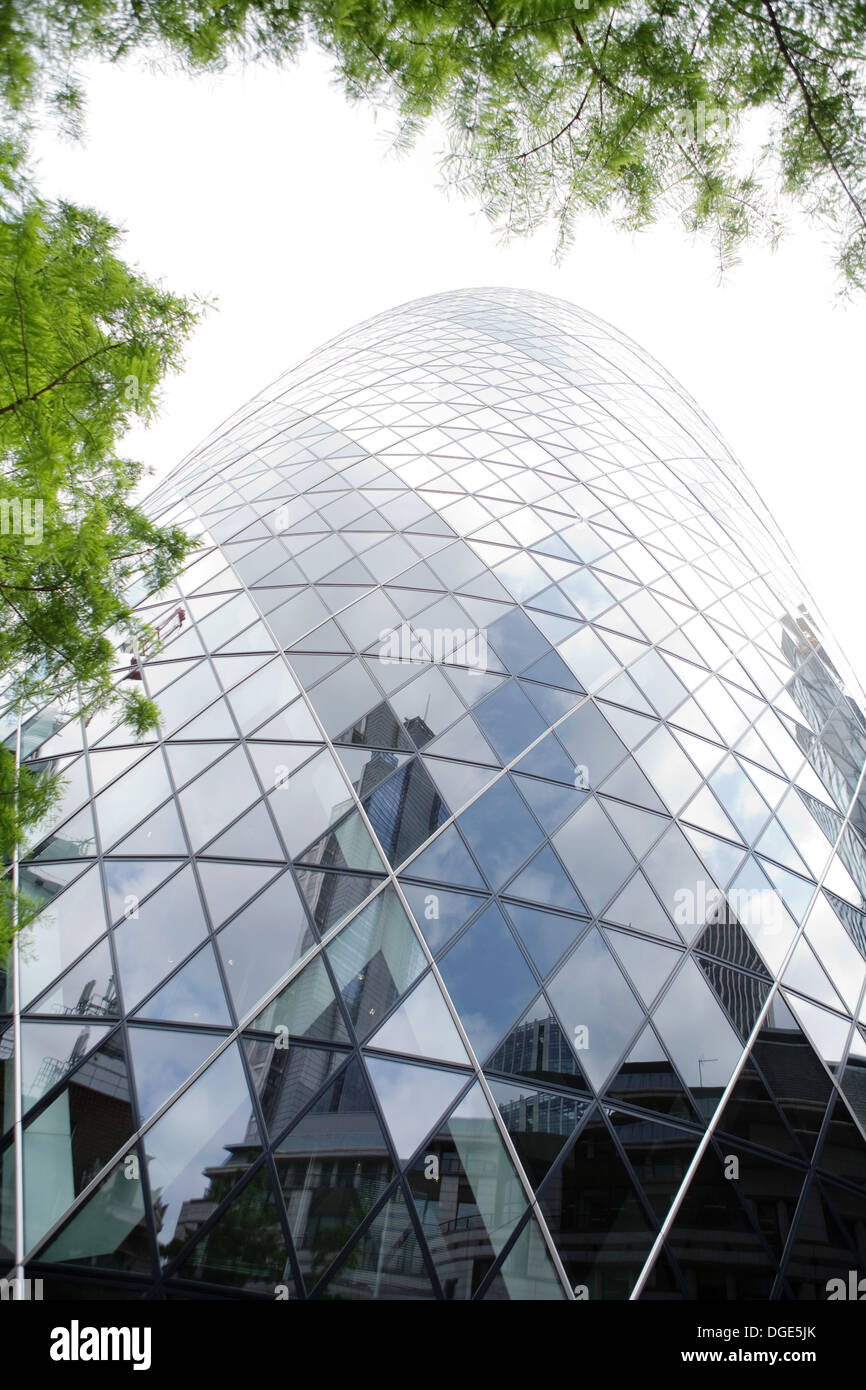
269,192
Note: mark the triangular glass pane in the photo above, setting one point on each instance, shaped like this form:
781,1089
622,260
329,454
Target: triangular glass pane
375,959
752,1114
546,935
87,990
130,880
719,1253
333,1166
639,828
187,760
348,845
59,1139
158,935
638,907
306,1008
487,978
228,886
742,995
544,881
698,1036
75,839
447,860
251,837
597,1008
110,1230
422,1027
527,1273
48,1052
439,913
163,1059
659,1154
629,784
603,1243
385,1263
245,1248
208,1129
721,858
194,995
59,934
261,944
794,1076
551,802
412,1098
468,1156
648,963
160,834
539,1123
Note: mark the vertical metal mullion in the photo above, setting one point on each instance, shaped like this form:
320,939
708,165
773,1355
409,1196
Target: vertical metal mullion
17,1078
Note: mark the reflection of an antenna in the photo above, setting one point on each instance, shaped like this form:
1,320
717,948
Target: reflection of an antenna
701,1061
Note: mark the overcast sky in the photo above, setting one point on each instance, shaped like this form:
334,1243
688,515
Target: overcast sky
269,192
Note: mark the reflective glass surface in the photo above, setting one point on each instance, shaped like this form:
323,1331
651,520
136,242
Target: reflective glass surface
506,794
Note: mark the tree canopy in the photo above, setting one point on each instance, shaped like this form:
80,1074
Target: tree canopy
84,343
725,112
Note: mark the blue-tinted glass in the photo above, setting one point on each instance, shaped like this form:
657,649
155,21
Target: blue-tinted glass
487,978
500,830
509,721
405,811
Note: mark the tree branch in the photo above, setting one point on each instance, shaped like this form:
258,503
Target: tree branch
14,405
810,110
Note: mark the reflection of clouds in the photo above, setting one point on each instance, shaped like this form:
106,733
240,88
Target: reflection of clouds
61,932
218,1106
479,1031
412,1099
836,951
589,991
828,1032
695,1031
422,1027
739,798
130,879
668,768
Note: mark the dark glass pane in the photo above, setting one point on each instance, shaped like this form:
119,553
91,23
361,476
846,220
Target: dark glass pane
539,1123
384,1263
332,1166
719,1252
467,1195
245,1248
600,1228
67,1144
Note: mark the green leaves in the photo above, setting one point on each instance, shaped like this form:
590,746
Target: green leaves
84,344
509,80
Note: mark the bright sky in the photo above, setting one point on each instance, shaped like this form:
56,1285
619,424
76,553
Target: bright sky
269,192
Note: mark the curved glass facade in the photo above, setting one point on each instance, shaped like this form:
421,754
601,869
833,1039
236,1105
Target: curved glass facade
487,920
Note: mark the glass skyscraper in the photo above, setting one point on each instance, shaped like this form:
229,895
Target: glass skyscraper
488,920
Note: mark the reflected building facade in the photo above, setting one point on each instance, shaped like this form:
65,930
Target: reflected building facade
497,875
